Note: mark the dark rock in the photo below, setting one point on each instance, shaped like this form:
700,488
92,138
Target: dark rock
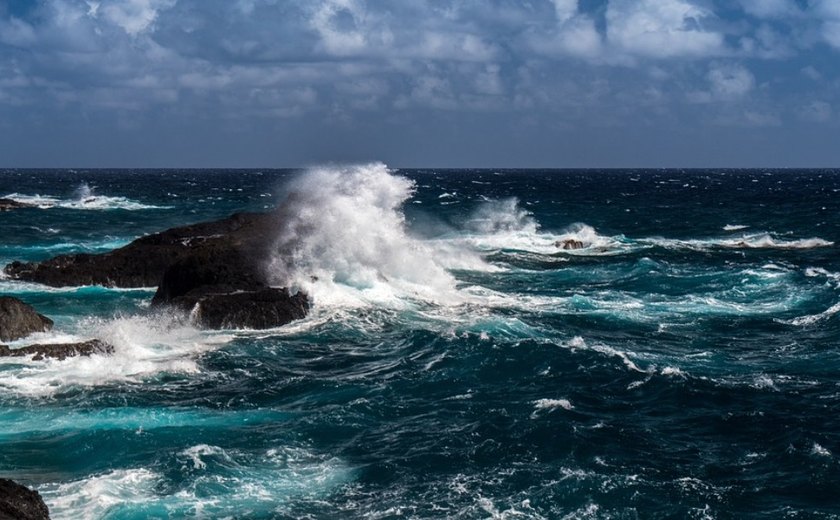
10,204
59,350
18,502
18,320
569,244
215,307
226,289
143,262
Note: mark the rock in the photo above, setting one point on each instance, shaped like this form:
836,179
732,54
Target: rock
259,309
18,502
227,290
58,351
214,270
569,243
10,204
143,262
18,320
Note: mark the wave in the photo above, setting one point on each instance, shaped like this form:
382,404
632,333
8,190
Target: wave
144,347
752,241
204,481
344,240
84,198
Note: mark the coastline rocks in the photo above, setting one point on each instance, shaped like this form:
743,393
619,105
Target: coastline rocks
10,204
212,270
143,262
260,309
21,503
227,290
58,351
18,320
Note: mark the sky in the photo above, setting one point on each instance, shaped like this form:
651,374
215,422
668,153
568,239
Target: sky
420,83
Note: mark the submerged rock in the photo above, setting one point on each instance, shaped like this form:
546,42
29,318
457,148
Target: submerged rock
18,320
10,204
58,351
143,262
21,503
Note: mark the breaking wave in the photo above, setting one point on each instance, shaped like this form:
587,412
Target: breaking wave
84,198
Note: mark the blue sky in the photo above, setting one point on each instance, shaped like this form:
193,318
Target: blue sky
469,83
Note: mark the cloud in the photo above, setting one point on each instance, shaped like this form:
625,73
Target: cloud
661,29
729,82
133,16
770,8
816,112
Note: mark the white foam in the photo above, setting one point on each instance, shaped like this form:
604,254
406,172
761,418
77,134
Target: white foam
816,318
753,241
96,496
84,199
217,483
818,450
734,227
344,241
551,404
143,347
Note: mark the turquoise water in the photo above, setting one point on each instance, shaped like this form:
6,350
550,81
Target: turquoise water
457,363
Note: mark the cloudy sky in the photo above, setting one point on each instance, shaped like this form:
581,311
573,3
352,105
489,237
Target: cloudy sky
532,83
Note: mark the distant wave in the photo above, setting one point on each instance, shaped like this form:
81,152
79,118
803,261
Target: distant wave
84,198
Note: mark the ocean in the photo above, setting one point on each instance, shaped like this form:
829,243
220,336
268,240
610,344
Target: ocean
506,344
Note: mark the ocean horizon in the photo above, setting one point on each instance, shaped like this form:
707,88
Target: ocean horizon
480,343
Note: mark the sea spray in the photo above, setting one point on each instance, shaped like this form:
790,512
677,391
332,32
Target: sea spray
344,240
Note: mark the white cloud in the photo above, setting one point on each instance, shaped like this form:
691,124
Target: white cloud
574,34
816,111
133,16
16,32
730,81
661,29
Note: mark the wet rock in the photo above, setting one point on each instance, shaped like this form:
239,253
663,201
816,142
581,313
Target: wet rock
18,502
214,307
143,262
569,244
10,204
227,290
58,351
18,320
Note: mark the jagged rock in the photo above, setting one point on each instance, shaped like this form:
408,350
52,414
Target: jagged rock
18,320
18,502
260,309
213,270
59,350
569,244
10,204
143,262
227,290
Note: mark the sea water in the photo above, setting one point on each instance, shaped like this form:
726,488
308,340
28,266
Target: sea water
678,359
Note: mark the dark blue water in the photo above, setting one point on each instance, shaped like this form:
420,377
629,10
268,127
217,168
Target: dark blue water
458,362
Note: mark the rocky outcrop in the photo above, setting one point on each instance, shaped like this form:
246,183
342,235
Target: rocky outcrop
569,244
58,351
259,309
18,320
143,262
18,502
212,270
10,204
227,290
